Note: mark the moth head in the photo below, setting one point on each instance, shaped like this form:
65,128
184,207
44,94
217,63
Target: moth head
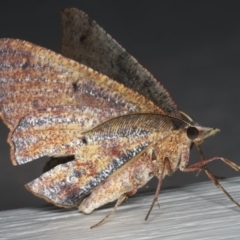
198,133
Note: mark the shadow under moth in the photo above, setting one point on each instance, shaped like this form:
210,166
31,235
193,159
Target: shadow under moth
106,123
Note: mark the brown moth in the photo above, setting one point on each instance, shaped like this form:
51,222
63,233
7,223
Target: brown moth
108,125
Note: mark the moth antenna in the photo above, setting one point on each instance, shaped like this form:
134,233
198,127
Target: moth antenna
119,201
187,117
160,178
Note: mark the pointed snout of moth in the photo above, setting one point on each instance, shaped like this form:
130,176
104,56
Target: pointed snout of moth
205,132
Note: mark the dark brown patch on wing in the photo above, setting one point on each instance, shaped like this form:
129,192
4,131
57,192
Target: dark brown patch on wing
86,42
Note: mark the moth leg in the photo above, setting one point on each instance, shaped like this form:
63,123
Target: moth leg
160,178
218,185
201,155
119,201
201,166
202,158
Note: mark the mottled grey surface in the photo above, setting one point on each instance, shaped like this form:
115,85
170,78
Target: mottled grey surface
192,48
198,211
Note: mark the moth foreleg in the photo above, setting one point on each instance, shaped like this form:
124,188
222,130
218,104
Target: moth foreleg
119,201
218,185
201,166
202,159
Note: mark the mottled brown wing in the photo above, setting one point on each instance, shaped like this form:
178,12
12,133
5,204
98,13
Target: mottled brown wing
54,131
86,42
67,184
34,78
106,149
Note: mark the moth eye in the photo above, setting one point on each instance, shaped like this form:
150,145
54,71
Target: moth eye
192,133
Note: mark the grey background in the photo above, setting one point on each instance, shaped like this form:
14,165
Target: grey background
192,47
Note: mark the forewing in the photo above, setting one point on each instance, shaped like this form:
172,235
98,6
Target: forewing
107,148
67,184
136,125
86,42
34,78
54,131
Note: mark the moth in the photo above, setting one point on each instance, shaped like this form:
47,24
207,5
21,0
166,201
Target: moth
106,123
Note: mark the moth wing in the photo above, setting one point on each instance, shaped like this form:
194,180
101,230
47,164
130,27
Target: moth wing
86,42
33,78
54,131
108,148
67,184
